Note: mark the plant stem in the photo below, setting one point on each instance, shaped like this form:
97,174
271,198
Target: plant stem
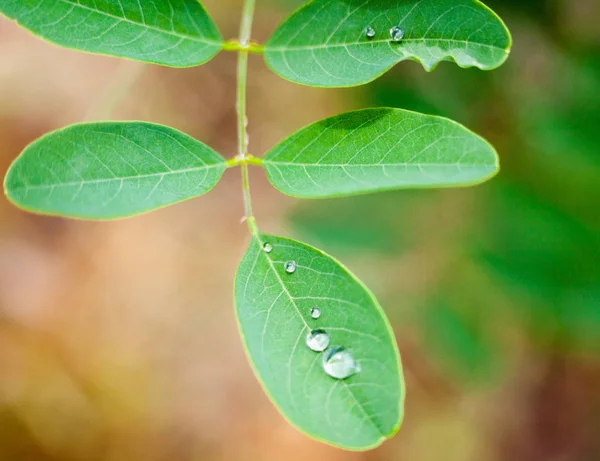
246,189
242,121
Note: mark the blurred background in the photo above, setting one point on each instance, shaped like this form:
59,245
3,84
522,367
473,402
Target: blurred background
118,340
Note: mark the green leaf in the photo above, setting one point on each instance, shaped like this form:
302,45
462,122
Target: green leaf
111,170
177,33
378,149
325,44
274,315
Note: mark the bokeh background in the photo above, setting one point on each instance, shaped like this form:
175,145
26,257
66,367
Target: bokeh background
118,340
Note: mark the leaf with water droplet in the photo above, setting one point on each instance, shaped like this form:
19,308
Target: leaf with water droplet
396,33
290,267
317,340
274,315
324,42
378,149
339,362
111,170
177,33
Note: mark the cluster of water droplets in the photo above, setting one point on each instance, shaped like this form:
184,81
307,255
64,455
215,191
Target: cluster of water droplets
338,361
396,33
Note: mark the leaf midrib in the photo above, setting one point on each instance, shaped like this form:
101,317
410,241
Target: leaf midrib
272,266
138,24
116,179
371,42
292,300
371,165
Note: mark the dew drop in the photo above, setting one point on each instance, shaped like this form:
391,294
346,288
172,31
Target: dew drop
339,363
290,267
315,312
317,340
370,32
396,33
267,247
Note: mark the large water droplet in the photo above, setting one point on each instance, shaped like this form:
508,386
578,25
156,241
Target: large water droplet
370,32
339,363
315,312
317,340
290,267
267,247
396,33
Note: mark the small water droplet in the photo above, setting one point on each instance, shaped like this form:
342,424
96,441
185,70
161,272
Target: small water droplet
339,363
267,247
396,33
370,32
315,312
290,267
317,340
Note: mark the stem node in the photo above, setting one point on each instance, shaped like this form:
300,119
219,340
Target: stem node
237,46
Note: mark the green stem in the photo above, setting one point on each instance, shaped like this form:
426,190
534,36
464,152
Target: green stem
242,121
246,189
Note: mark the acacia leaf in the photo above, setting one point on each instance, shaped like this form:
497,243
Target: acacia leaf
325,43
177,33
378,149
111,170
274,314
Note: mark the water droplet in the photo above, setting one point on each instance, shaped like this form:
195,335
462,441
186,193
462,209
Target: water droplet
290,267
317,340
315,312
396,33
267,247
370,32
339,363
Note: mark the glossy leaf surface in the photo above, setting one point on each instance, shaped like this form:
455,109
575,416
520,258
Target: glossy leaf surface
325,43
378,149
274,313
111,170
176,33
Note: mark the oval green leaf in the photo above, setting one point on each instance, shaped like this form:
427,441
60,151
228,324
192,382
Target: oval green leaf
274,314
177,33
325,43
378,149
111,170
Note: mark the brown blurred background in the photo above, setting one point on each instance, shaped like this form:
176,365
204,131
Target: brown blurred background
118,340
